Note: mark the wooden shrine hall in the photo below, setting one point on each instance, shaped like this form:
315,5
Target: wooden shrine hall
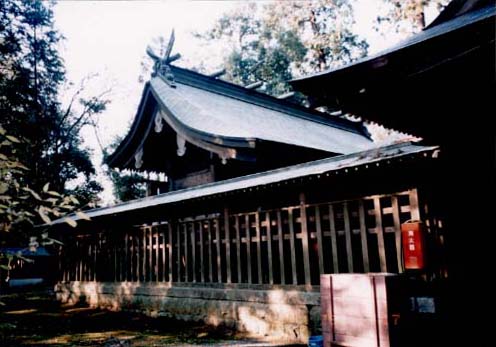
258,197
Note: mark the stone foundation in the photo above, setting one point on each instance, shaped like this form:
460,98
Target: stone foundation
277,313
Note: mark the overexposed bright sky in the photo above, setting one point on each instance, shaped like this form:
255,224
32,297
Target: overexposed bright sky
109,38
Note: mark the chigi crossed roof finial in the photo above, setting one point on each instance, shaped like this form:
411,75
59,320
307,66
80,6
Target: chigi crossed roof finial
161,65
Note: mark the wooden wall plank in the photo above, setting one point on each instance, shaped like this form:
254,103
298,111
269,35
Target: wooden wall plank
334,242
150,254
363,237
304,239
157,252
380,235
186,257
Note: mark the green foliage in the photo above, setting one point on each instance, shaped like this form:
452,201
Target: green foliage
31,74
275,41
405,16
126,185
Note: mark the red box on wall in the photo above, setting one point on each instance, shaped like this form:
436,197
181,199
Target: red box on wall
412,235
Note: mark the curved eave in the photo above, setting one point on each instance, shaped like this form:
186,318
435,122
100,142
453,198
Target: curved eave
139,130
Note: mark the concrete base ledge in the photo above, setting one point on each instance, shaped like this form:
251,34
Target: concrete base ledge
286,314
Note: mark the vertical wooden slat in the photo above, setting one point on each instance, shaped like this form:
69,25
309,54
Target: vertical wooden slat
179,260
126,257
164,245
227,232
397,231
292,246
150,254
144,257
281,247
259,250
95,257
193,249
170,251
347,235
218,242
202,253
210,261
269,247
304,239
334,242
157,250
363,237
248,248
414,205
186,258
320,248
238,247
380,235
114,242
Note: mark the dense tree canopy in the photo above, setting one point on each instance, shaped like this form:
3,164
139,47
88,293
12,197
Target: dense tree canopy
32,74
274,41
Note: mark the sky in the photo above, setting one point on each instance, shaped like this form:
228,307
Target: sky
107,40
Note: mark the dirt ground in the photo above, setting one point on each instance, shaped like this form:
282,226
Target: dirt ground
36,319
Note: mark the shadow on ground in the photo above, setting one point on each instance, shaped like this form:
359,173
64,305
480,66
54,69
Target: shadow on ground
36,319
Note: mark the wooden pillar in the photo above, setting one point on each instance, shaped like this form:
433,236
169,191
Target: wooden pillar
238,248
334,242
292,246
218,242
380,234
202,253
210,251
320,248
150,254
259,250
397,231
179,260
193,250
281,247
304,239
363,237
186,258
170,244
347,235
248,248
269,247
228,244
157,250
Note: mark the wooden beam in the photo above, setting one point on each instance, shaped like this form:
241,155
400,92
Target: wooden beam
292,246
259,250
269,247
304,239
228,244
363,237
380,235
334,242
281,247
320,248
414,204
